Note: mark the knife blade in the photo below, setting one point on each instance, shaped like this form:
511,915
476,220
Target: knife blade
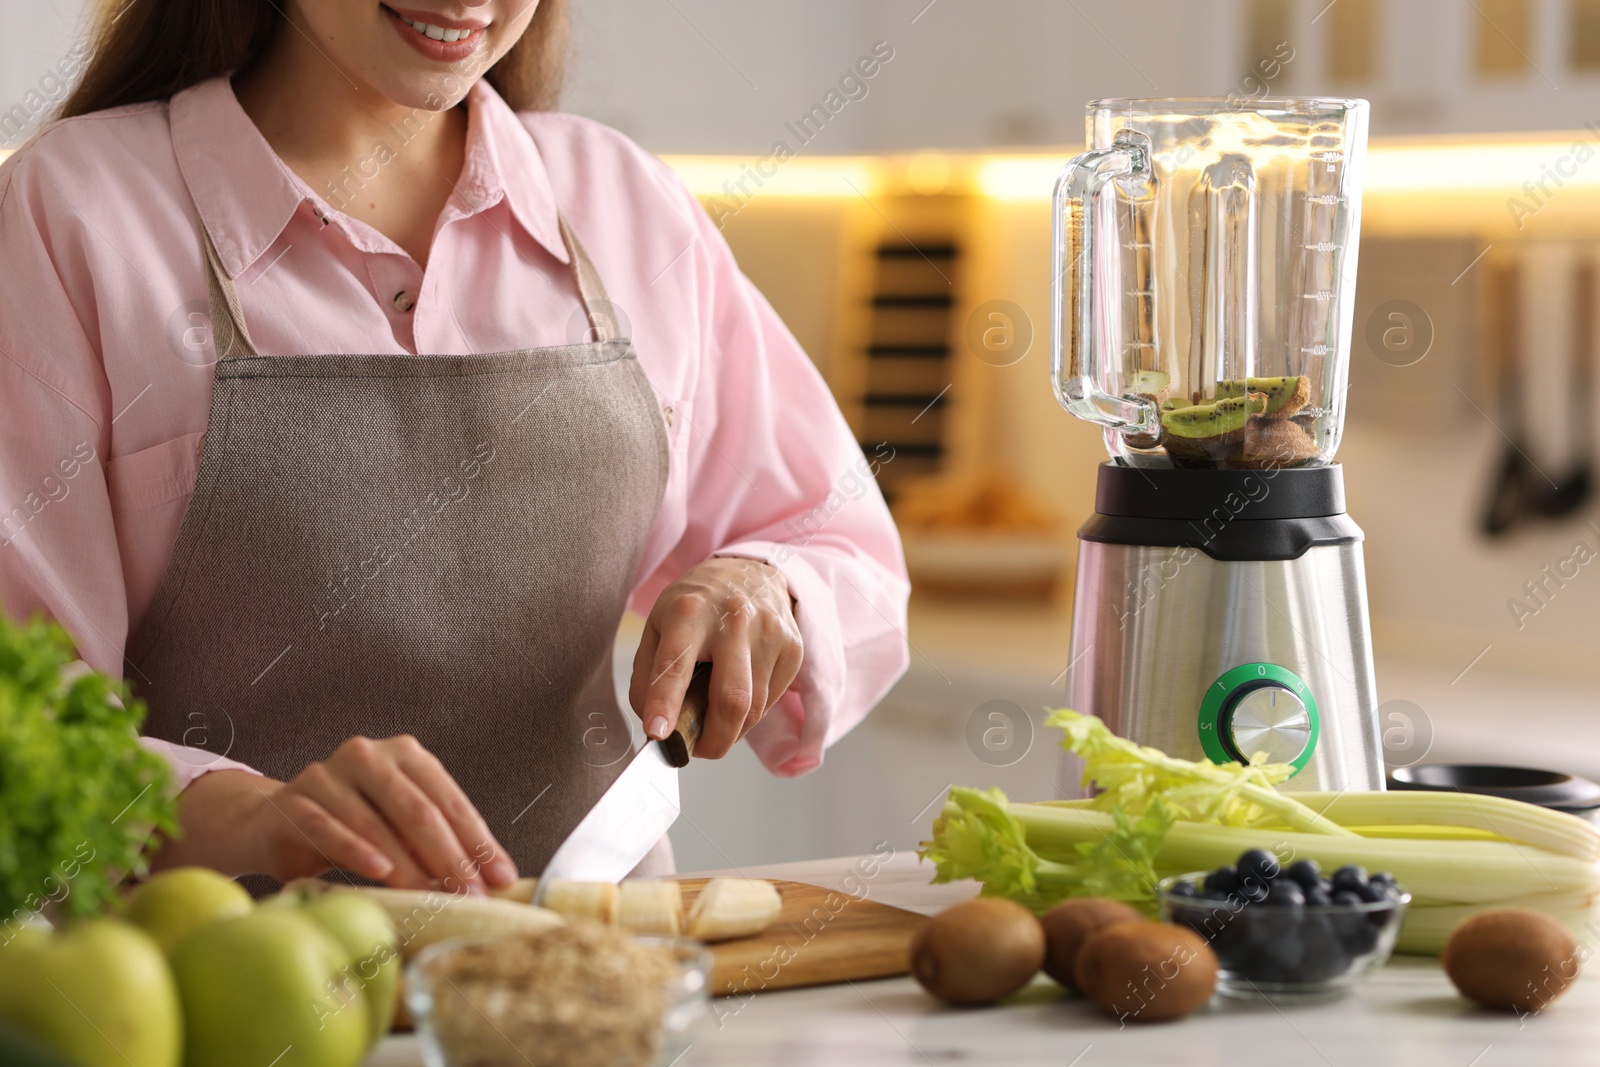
638,807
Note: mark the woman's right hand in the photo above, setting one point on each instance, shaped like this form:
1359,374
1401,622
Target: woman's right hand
386,810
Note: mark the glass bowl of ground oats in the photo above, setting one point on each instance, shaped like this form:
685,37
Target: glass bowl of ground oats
579,995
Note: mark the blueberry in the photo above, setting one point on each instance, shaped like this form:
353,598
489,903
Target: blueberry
1318,896
1230,941
1221,882
1278,947
1350,877
1382,876
1183,889
1359,936
1284,893
1260,863
1371,893
1326,886
1252,889
1304,872
1325,954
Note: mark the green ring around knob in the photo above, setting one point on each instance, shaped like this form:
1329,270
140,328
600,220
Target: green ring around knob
1245,674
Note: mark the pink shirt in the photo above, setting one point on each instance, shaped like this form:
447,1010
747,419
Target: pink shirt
105,378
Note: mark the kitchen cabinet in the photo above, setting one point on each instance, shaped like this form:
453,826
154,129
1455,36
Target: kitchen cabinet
1407,1013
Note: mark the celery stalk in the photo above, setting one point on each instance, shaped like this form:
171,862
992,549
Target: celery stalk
1435,832
1426,927
1511,819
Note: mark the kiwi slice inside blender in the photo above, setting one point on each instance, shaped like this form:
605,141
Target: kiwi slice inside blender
1216,419
1208,433
1149,385
1284,396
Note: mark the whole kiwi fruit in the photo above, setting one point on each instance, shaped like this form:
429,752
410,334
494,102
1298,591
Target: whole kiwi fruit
978,952
1146,972
1068,925
1512,959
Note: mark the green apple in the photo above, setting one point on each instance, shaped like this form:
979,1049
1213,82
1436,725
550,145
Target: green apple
175,903
268,988
362,927
99,993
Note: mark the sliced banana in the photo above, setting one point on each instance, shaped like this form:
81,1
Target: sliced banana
582,900
650,907
734,907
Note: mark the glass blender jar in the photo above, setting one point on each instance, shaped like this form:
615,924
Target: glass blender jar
1204,278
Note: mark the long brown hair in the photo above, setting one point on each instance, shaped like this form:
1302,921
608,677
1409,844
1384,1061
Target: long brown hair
150,49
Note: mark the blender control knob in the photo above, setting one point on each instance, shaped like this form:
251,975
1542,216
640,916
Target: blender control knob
1268,719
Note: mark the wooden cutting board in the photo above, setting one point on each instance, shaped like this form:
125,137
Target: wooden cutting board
822,936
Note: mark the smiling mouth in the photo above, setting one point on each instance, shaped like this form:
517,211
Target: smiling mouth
436,33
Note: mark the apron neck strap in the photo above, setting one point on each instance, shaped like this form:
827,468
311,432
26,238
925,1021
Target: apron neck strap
601,311
232,340
228,334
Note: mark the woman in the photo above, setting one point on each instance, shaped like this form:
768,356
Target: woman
341,454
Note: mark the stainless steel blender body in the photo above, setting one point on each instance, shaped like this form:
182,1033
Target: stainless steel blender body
1148,642
1223,615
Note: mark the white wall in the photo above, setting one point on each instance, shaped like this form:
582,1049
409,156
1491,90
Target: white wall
37,36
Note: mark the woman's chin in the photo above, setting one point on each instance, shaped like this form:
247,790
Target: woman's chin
422,90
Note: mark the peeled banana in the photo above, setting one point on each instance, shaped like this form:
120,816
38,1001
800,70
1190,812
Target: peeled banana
733,907
582,900
726,908
646,907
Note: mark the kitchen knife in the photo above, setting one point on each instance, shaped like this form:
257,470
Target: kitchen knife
639,807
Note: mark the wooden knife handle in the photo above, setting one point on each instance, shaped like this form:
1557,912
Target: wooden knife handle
680,742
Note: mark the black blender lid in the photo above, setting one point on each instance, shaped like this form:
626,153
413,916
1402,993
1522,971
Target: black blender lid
1548,789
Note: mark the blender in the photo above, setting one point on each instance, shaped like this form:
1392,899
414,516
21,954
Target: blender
1205,254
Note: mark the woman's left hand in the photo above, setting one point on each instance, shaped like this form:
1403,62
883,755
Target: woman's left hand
736,614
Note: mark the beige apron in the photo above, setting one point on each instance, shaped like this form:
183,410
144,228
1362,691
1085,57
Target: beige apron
433,545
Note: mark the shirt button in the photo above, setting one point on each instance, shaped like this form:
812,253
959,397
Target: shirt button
404,300
668,413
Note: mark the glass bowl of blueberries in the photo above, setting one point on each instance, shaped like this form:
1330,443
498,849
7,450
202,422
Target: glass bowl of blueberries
1286,930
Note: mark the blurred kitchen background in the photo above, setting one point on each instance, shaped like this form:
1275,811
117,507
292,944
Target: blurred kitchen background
899,221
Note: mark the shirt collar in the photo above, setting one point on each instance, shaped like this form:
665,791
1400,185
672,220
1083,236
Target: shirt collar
503,161
246,195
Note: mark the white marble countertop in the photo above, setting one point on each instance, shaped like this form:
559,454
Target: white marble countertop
1406,1014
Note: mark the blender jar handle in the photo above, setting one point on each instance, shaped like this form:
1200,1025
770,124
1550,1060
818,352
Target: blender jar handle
1083,315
